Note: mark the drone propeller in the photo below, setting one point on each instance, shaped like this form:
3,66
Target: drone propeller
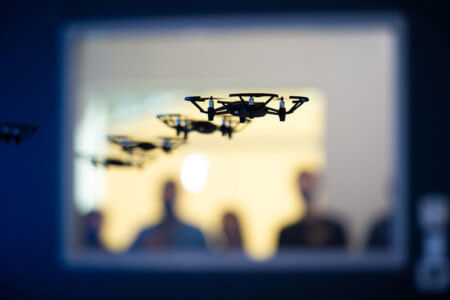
231,124
168,115
201,99
301,99
118,139
211,112
123,141
177,121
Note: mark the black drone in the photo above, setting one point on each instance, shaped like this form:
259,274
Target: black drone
113,161
167,144
16,132
185,125
246,106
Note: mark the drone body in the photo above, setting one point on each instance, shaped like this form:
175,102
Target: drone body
246,106
16,132
128,145
185,125
110,161
245,110
203,127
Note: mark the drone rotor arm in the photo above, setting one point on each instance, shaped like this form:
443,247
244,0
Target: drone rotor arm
272,111
224,103
270,99
221,112
222,108
194,101
296,105
167,120
129,148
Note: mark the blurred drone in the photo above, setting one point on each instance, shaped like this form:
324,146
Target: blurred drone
246,106
114,161
185,125
16,132
167,144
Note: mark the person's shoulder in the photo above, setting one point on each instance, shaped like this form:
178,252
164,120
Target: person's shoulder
382,224
148,230
331,221
191,229
291,228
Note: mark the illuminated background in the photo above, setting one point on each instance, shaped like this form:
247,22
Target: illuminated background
252,174
124,77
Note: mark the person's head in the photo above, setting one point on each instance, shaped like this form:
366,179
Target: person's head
307,183
93,222
232,230
169,198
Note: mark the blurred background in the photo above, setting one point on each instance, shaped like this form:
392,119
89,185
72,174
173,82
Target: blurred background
82,70
127,75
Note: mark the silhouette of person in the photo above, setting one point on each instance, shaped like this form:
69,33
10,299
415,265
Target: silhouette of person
232,231
380,234
170,233
92,223
312,230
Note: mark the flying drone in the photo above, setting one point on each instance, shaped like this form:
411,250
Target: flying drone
113,161
246,106
167,144
185,125
16,132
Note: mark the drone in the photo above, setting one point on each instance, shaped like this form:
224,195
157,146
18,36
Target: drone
167,144
246,106
16,132
185,125
113,161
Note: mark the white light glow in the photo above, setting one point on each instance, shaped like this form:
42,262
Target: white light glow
194,172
